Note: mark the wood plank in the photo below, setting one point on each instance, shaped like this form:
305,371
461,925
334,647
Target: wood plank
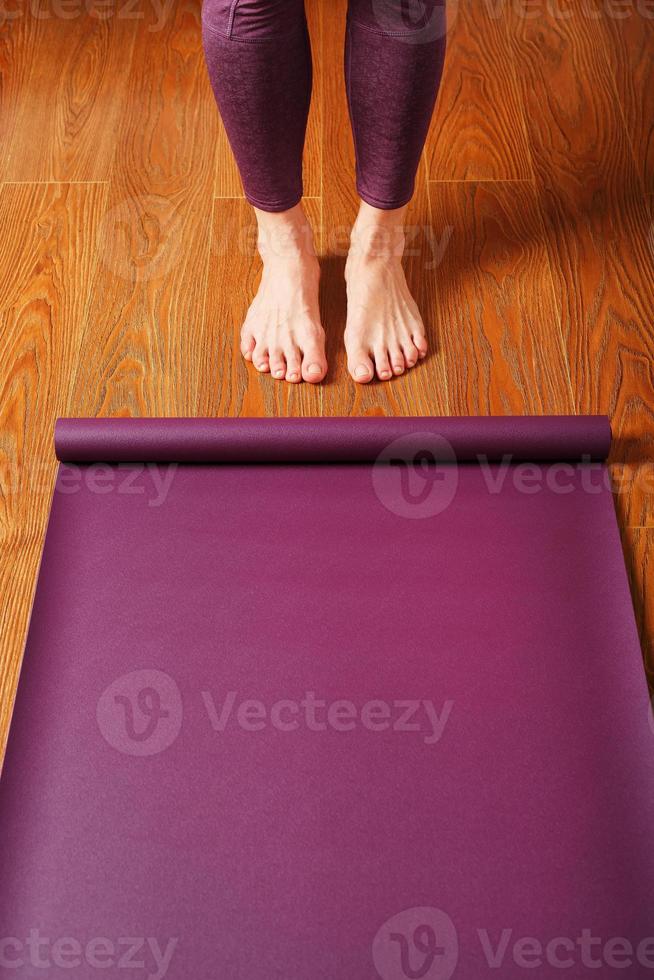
19,38
48,244
21,554
629,44
478,130
341,395
228,182
499,320
420,391
144,345
73,79
424,389
242,390
597,229
313,147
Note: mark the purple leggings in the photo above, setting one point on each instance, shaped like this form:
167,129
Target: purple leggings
259,61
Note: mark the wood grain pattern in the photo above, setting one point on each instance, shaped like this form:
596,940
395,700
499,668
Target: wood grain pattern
478,132
47,242
313,146
228,182
531,248
19,37
597,231
145,340
629,47
499,318
239,389
421,391
339,204
64,114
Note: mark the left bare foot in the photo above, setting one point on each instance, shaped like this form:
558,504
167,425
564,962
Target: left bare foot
384,333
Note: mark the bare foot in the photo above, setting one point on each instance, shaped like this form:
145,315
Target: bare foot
384,331
282,332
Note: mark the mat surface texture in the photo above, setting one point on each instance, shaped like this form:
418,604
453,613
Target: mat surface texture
330,699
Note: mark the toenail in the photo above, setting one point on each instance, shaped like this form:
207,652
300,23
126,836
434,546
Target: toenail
313,369
385,375
422,353
279,373
362,371
293,376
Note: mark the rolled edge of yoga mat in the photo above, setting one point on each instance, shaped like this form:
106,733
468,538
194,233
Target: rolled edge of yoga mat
329,440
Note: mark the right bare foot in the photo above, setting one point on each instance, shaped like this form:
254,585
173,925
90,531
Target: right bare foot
282,333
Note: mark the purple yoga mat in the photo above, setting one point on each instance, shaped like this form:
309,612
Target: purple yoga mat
336,440
383,717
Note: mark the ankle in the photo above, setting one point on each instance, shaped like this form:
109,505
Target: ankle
377,236
285,236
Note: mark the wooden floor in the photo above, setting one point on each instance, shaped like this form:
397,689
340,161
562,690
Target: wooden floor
127,261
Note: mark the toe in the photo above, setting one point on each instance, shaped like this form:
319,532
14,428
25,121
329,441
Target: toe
293,365
314,365
382,364
420,342
396,358
411,353
247,345
260,358
277,364
359,365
